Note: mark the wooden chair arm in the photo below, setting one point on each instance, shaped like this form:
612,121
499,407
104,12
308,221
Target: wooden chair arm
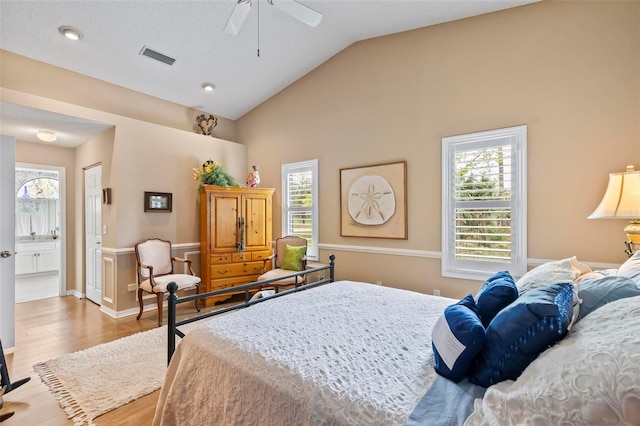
187,261
150,268
264,262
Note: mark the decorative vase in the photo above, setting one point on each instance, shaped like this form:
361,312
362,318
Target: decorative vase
253,179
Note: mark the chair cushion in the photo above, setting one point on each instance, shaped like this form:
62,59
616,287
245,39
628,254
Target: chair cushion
184,281
275,273
293,257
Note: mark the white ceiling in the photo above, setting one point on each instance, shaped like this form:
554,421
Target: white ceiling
115,32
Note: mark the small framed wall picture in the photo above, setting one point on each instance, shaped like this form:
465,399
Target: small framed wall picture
106,195
157,201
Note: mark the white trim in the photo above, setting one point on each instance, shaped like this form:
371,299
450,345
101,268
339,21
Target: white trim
77,294
382,250
132,250
532,262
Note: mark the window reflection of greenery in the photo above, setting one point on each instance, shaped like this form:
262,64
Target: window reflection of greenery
483,229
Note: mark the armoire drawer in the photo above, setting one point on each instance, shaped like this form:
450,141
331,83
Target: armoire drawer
228,270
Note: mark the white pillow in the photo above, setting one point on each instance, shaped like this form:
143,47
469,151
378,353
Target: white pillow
559,271
590,377
631,268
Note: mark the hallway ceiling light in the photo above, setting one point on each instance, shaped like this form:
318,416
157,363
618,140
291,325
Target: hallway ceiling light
46,136
70,32
208,87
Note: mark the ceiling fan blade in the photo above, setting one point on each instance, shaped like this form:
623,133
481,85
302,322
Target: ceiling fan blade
238,16
298,11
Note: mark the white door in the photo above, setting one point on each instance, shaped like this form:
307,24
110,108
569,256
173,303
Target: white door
93,235
7,240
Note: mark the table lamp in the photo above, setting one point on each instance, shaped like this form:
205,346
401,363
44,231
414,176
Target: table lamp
622,201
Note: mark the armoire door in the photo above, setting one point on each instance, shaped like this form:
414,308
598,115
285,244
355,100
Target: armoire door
225,212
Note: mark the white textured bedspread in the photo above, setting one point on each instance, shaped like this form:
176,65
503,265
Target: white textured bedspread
345,353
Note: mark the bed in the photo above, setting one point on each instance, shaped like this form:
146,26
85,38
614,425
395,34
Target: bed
347,353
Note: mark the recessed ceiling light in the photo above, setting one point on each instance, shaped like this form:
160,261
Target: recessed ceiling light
46,136
70,32
208,87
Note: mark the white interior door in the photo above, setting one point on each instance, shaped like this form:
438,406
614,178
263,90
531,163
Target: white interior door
7,240
93,232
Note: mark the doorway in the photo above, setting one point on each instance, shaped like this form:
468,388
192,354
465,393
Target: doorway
93,232
39,230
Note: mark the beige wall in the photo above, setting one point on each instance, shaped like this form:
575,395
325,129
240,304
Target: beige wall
570,71
29,76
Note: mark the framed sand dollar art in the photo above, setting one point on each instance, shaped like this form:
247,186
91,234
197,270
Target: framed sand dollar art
373,201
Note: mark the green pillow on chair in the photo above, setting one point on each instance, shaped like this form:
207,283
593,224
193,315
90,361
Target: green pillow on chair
293,255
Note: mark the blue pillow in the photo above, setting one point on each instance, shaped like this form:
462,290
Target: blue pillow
495,293
536,320
456,338
597,292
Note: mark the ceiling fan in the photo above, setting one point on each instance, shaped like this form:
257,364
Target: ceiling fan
291,7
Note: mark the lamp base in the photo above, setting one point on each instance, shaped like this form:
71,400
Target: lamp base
631,247
633,231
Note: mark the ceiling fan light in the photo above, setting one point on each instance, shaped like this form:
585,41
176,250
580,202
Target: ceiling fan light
46,136
70,32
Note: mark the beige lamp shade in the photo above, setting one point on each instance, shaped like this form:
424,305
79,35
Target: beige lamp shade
622,201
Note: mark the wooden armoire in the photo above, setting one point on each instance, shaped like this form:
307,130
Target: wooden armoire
235,236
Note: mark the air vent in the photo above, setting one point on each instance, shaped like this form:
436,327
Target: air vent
153,54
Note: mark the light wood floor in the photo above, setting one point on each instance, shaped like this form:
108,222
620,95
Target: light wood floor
52,327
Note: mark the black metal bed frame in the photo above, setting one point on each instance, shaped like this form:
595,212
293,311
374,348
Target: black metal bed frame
174,300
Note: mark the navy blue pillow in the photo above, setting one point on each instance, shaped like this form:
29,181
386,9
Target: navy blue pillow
597,292
534,322
495,293
456,338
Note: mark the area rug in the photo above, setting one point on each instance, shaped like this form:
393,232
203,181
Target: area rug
97,380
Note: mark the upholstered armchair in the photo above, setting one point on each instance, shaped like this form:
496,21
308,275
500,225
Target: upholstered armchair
290,256
155,272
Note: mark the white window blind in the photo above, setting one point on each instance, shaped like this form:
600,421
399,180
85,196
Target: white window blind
300,203
484,203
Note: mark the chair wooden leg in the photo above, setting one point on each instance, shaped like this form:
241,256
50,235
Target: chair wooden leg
196,301
139,301
160,298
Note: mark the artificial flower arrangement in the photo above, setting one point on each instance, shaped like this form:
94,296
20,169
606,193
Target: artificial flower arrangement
212,173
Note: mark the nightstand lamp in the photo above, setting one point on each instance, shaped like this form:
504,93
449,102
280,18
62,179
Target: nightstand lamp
622,201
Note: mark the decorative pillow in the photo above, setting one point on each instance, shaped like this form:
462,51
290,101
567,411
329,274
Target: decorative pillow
558,271
494,294
515,337
596,293
597,274
631,267
293,257
456,338
591,377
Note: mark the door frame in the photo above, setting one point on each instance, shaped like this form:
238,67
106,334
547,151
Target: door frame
62,285
98,261
7,242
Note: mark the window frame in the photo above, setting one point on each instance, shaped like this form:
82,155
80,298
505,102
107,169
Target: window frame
516,138
313,251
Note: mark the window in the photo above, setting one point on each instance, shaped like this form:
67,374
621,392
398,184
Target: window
300,203
484,203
